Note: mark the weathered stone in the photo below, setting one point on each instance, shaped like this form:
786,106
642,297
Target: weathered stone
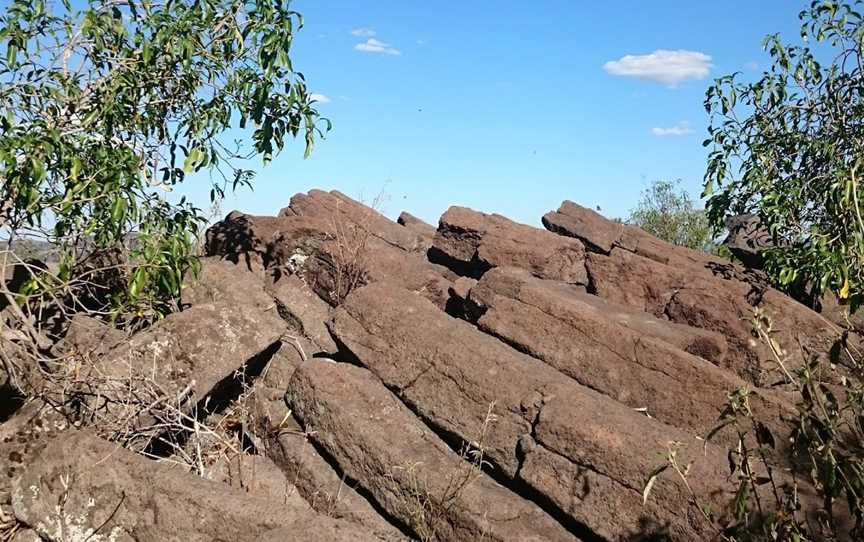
644,366
82,487
549,428
409,471
260,476
424,231
602,235
181,360
338,209
593,229
305,311
723,306
278,435
88,338
26,535
471,243
552,297
22,437
330,258
221,280
281,242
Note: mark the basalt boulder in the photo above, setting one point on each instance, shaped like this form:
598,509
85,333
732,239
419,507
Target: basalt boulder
471,243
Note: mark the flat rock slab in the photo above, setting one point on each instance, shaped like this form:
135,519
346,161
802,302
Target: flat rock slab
85,488
281,438
723,306
224,281
602,235
471,243
633,358
88,338
558,299
180,361
409,471
257,475
585,453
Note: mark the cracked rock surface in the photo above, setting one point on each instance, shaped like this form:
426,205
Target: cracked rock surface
335,375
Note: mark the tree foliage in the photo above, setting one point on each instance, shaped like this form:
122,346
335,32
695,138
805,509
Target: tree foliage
790,147
668,213
104,109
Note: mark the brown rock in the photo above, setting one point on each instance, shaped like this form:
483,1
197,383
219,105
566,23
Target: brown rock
631,357
332,259
592,228
458,304
281,242
279,436
302,309
411,473
338,209
88,337
22,437
180,361
108,491
549,432
221,280
26,535
424,231
602,235
259,476
552,297
722,306
471,243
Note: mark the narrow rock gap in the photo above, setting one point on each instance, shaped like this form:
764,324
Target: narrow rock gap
473,269
403,527
223,394
591,287
11,400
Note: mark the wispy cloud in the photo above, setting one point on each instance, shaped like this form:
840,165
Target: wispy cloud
680,129
374,46
663,66
364,32
320,98
752,66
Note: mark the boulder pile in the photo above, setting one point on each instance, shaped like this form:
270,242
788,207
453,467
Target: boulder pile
334,375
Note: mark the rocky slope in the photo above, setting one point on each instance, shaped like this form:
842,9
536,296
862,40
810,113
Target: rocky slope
338,376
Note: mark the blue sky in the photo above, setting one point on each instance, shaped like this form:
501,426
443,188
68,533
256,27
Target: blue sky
511,107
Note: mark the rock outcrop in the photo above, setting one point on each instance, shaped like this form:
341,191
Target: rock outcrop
629,267
335,375
471,243
545,423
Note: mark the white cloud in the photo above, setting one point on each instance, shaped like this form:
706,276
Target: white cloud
374,46
752,66
680,129
363,32
664,66
320,98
